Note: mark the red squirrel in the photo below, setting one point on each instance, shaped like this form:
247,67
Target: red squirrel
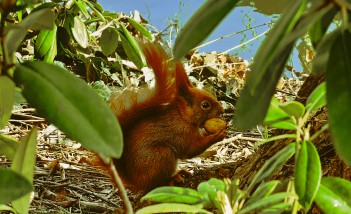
162,124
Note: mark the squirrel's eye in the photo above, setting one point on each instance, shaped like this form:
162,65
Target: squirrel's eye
205,105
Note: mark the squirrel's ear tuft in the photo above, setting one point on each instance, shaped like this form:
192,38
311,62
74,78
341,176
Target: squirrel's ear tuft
183,84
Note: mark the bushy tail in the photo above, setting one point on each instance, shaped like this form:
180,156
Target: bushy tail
132,104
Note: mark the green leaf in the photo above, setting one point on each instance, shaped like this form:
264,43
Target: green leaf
308,173
284,207
79,32
317,98
201,24
82,7
293,109
174,195
278,118
270,61
41,19
318,30
321,59
140,28
8,146
7,97
4,207
339,186
131,48
265,203
13,186
71,105
339,93
330,202
264,190
209,190
274,163
23,163
109,41
172,207
46,44
96,7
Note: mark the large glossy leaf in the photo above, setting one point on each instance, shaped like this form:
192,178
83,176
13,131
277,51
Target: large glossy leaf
41,19
317,98
109,41
174,195
339,93
274,163
13,185
7,97
172,208
308,173
331,202
71,105
23,163
269,63
201,24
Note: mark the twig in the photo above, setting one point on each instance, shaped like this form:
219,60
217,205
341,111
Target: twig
122,191
237,137
248,41
229,35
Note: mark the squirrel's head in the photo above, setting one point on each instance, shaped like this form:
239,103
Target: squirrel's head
196,106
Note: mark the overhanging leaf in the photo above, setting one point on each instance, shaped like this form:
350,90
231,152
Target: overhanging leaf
338,79
7,97
318,30
8,146
201,24
71,105
23,163
308,174
321,59
269,63
12,185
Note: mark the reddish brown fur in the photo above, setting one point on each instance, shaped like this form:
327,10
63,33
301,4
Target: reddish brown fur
161,125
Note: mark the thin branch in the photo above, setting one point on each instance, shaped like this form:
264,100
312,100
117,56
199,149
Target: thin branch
122,191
